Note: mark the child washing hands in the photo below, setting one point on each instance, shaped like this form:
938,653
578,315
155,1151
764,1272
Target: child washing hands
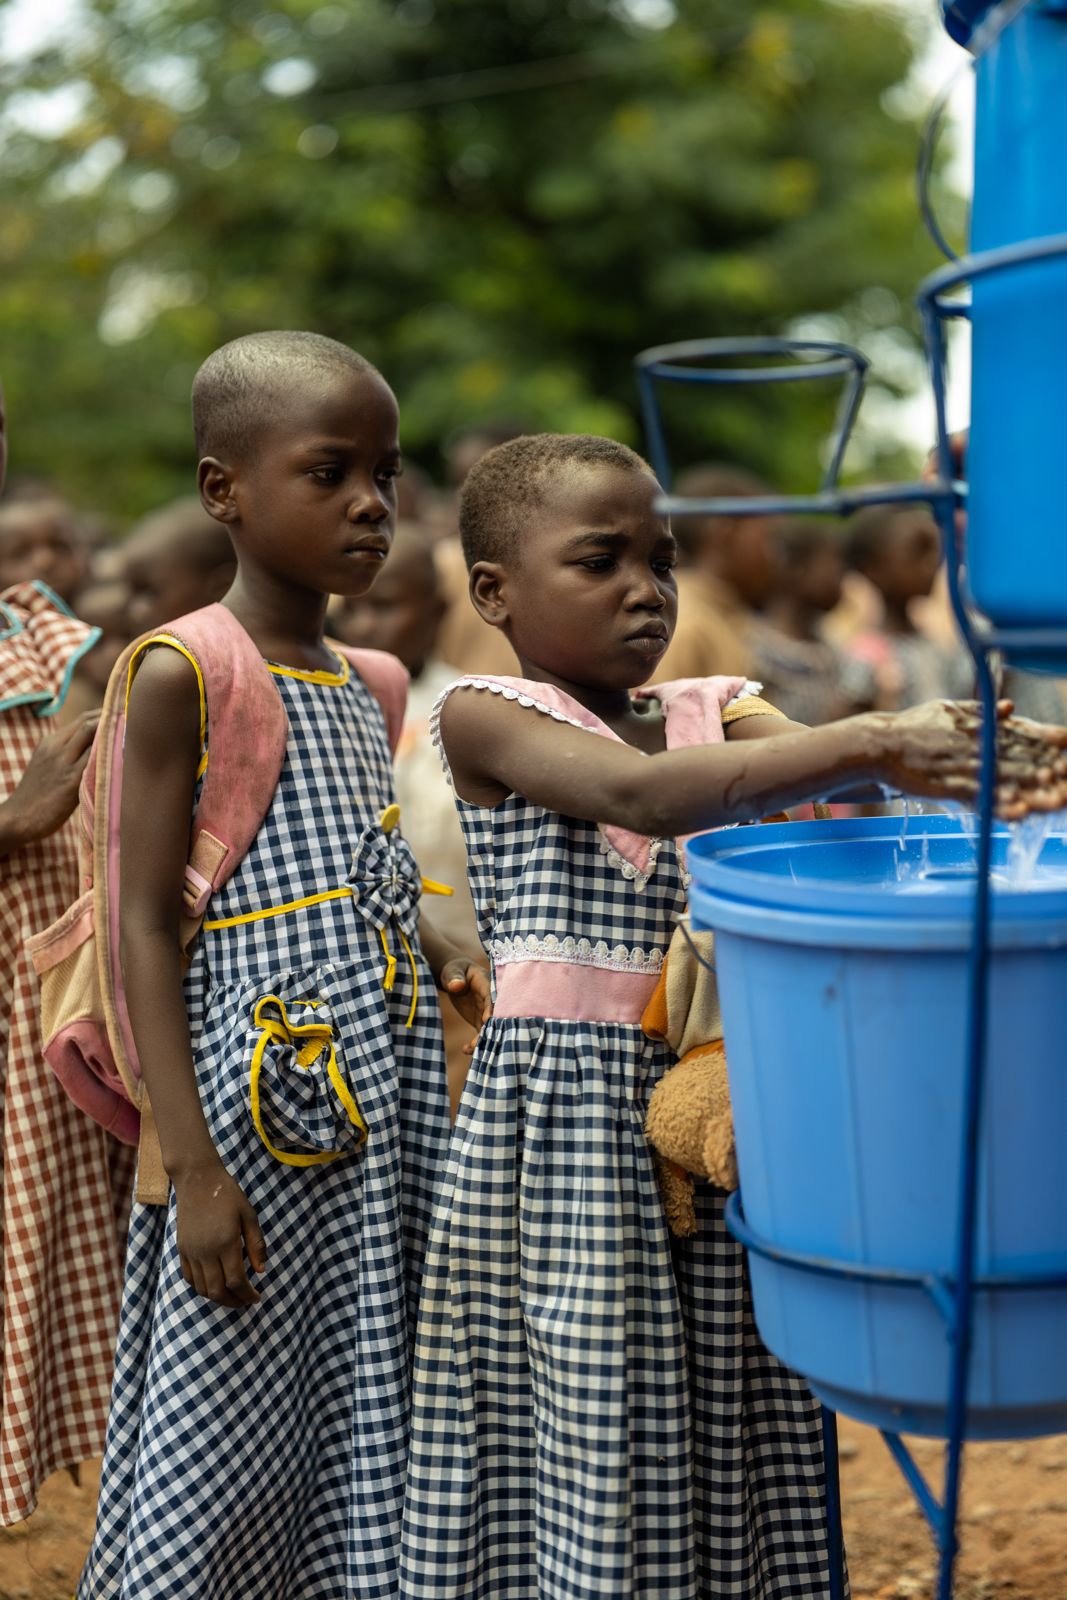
594,1412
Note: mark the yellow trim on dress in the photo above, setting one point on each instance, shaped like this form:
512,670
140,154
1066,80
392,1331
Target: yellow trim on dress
342,675
317,1037
388,820
280,911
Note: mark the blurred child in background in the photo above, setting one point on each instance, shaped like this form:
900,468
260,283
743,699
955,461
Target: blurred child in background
65,1182
403,613
174,561
804,674
898,550
104,605
42,540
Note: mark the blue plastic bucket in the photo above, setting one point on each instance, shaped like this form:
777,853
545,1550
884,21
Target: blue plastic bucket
844,1001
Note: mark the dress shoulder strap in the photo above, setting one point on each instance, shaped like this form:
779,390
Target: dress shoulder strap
386,678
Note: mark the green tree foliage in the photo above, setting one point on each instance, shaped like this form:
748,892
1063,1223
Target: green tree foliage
499,201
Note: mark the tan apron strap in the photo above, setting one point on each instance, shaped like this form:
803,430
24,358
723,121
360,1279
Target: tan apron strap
153,1185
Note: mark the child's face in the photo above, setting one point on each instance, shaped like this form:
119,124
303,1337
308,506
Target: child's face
817,579
910,558
591,596
39,539
753,562
315,506
105,606
163,584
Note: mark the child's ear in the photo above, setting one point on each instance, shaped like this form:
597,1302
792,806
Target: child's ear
487,592
215,482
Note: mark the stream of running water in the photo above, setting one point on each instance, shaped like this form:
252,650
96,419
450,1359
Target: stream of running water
1021,867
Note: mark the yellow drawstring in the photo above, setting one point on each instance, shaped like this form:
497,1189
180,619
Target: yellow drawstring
414,976
390,970
390,963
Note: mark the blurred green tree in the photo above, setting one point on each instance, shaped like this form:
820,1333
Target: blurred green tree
499,201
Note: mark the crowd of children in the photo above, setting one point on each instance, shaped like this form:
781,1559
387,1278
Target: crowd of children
359,1355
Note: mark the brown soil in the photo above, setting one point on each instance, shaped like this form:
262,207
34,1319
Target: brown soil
1013,1528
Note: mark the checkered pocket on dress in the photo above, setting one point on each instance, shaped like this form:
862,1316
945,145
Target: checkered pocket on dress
301,1105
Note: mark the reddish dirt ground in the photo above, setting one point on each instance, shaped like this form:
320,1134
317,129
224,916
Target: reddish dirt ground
1013,1527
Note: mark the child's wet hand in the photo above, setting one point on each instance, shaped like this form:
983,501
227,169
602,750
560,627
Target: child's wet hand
934,751
1031,768
466,983
217,1228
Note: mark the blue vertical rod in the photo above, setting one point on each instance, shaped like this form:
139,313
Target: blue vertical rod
967,1219
654,433
960,1328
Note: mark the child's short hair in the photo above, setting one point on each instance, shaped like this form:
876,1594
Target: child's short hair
241,386
509,481
804,537
871,529
711,480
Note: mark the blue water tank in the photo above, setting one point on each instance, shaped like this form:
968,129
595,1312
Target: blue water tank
1016,461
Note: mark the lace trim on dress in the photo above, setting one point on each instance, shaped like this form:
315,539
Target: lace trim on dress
635,874
508,692
583,952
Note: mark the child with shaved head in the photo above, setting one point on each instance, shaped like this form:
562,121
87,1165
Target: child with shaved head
258,1435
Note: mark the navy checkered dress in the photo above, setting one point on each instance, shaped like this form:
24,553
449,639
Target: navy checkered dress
259,1454
594,1414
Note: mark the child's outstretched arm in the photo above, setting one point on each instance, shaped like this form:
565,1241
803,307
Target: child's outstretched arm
162,753
496,747
47,792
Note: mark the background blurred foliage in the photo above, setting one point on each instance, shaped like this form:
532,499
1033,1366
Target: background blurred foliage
499,201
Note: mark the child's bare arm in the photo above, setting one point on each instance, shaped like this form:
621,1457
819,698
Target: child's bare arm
47,792
496,747
162,752
1031,767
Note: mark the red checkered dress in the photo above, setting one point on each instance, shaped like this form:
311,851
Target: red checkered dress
65,1183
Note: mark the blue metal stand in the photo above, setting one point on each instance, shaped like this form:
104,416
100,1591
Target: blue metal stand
729,362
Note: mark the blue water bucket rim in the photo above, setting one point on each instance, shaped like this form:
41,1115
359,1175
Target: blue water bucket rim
730,894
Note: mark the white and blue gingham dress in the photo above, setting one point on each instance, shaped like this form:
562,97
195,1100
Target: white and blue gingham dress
594,1413
259,1453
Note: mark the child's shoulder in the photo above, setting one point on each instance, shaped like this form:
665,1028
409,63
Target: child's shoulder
529,693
